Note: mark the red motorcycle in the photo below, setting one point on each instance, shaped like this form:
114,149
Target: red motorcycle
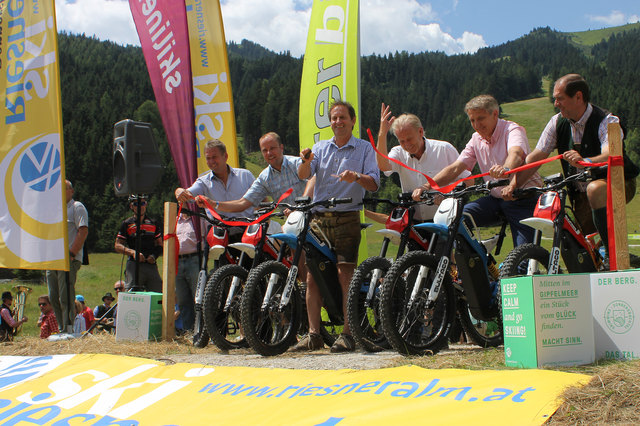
580,252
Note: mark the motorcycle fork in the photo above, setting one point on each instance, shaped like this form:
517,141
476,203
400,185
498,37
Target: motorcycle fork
443,264
235,284
293,271
558,222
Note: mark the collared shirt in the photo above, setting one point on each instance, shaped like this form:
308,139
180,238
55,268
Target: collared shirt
437,155
549,138
273,183
186,236
77,217
488,153
48,325
238,182
329,160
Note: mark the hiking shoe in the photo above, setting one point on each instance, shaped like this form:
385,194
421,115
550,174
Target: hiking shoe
344,343
310,342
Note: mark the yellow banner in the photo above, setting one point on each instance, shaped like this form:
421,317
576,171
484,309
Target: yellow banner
109,389
331,68
212,97
32,214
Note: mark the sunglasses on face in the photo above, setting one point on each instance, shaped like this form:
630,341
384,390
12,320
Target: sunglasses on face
42,304
118,288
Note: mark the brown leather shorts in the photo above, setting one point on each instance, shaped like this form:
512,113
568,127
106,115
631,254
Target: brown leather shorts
343,232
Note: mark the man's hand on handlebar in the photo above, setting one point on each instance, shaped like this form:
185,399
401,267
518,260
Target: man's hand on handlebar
417,193
507,191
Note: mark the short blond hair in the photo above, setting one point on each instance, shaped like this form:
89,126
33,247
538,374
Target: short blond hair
405,120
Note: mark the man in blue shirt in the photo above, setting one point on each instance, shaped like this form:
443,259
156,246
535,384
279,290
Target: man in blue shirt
344,167
222,183
280,175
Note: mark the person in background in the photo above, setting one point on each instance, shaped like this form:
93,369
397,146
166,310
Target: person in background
118,287
188,269
150,248
344,167
87,313
47,321
79,324
8,324
106,323
61,284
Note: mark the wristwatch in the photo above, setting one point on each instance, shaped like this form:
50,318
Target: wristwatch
358,176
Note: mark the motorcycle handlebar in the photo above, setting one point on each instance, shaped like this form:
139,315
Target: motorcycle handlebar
497,183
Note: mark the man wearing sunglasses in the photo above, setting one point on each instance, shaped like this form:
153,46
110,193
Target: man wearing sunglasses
150,247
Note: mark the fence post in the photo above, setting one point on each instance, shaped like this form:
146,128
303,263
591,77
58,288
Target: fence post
619,201
169,273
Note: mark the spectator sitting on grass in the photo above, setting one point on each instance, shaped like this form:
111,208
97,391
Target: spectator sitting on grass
104,310
87,312
47,321
79,323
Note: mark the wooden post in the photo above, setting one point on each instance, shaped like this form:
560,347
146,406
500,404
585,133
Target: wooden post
169,273
619,200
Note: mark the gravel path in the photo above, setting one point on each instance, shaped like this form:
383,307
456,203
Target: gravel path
318,360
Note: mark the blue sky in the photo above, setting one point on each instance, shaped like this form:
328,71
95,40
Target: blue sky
452,26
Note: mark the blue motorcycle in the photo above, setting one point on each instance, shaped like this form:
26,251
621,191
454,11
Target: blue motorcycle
423,292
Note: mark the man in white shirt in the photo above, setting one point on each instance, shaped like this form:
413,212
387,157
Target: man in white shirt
429,156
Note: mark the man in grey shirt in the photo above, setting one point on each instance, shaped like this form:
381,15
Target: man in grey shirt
61,284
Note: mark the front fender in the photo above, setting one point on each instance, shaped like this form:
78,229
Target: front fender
440,230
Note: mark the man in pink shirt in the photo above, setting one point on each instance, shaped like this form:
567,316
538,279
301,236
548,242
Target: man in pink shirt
497,146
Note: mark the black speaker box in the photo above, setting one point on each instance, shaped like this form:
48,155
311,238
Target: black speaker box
137,167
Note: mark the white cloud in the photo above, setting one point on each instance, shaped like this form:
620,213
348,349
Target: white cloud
408,25
615,18
106,19
281,25
278,25
385,26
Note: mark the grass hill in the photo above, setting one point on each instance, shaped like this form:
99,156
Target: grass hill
586,39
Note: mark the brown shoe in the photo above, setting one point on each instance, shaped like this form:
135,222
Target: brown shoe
344,343
310,342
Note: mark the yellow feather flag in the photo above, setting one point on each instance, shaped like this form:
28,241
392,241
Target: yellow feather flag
33,231
331,68
212,97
